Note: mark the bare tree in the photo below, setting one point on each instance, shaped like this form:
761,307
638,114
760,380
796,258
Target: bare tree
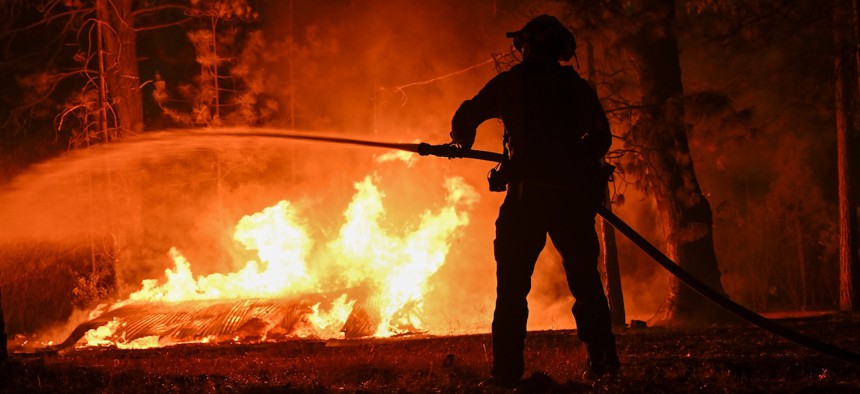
656,137
118,69
4,355
684,212
88,71
845,22
614,292
645,31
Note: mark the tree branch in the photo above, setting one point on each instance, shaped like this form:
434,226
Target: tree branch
752,20
48,92
71,14
429,81
163,25
158,8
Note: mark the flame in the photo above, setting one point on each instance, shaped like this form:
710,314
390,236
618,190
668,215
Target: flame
327,324
101,336
398,266
392,267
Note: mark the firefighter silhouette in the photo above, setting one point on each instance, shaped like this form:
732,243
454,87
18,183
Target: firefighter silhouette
556,134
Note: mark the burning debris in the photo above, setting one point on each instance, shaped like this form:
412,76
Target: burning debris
368,281
153,324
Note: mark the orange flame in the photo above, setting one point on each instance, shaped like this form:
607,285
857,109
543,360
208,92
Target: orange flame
395,266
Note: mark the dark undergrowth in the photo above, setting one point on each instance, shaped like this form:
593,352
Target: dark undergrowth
738,359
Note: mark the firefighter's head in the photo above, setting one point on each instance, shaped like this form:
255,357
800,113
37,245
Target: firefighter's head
544,37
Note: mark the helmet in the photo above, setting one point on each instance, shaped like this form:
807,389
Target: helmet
546,35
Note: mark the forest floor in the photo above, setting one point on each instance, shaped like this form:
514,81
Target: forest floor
733,359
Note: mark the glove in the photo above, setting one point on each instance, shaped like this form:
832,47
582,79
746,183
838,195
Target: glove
459,142
455,145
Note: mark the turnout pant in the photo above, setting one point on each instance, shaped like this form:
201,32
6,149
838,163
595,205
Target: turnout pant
528,214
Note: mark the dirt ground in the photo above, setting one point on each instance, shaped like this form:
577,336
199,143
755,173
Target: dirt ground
709,359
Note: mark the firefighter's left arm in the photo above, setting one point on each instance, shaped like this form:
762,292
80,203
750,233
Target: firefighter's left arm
599,137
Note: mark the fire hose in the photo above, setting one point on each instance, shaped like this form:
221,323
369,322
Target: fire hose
694,283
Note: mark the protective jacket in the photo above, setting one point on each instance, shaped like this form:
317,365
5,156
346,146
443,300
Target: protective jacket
555,128
555,133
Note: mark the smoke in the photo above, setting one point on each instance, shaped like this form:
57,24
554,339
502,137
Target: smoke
351,63
397,70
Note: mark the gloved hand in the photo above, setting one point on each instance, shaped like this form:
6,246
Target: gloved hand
455,145
451,149
459,142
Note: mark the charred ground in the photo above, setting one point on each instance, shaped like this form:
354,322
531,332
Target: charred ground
707,359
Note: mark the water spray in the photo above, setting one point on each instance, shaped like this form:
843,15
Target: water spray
451,152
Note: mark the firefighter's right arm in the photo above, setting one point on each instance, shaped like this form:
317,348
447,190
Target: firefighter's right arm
484,106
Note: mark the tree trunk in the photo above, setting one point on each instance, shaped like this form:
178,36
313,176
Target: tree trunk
845,107
801,261
123,79
4,355
216,117
613,273
103,125
607,232
683,210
